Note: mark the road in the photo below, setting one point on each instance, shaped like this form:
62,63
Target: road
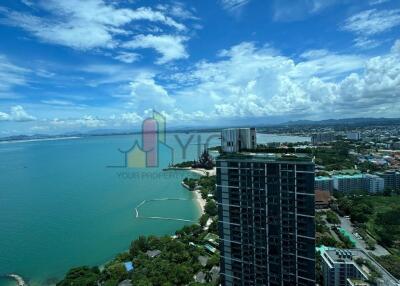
346,224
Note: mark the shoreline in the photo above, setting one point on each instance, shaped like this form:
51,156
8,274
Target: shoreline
38,140
201,203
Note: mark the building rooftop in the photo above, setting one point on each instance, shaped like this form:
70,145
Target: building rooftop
153,253
322,197
262,157
352,255
323,178
356,176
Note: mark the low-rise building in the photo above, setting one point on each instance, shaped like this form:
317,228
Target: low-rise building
356,136
348,267
349,183
358,182
325,137
374,184
322,199
323,184
396,145
392,180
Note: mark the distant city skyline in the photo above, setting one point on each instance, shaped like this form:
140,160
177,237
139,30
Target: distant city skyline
69,65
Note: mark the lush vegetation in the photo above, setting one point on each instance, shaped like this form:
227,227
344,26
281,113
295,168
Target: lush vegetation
185,164
190,182
378,215
373,272
390,263
332,217
324,235
176,264
377,220
335,157
205,161
81,276
206,185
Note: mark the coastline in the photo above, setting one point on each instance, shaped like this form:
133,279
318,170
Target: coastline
202,172
201,203
38,140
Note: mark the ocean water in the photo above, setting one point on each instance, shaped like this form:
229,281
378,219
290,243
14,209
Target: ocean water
66,203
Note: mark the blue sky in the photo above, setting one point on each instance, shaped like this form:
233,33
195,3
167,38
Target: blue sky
71,65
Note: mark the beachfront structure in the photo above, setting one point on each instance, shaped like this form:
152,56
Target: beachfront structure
325,137
392,180
323,184
358,182
266,219
348,267
352,135
238,139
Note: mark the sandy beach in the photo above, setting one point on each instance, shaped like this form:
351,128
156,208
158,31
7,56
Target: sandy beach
200,201
204,172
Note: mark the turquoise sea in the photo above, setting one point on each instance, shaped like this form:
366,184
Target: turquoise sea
62,205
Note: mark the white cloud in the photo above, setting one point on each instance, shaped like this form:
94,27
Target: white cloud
87,121
127,57
314,54
366,43
85,24
131,117
147,94
372,22
104,74
11,75
178,10
17,113
233,4
57,102
169,46
257,82
287,10
377,2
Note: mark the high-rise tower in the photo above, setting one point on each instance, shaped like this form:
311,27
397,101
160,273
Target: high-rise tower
266,219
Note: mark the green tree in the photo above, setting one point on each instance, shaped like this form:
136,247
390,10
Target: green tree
81,276
211,208
203,219
332,217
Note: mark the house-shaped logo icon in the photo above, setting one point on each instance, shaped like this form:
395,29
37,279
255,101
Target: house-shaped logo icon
152,151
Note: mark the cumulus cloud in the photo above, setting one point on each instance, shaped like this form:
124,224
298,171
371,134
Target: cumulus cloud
147,94
17,113
251,81
131,117
170,47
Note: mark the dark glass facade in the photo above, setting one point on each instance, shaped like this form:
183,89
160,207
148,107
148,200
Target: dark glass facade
266,221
